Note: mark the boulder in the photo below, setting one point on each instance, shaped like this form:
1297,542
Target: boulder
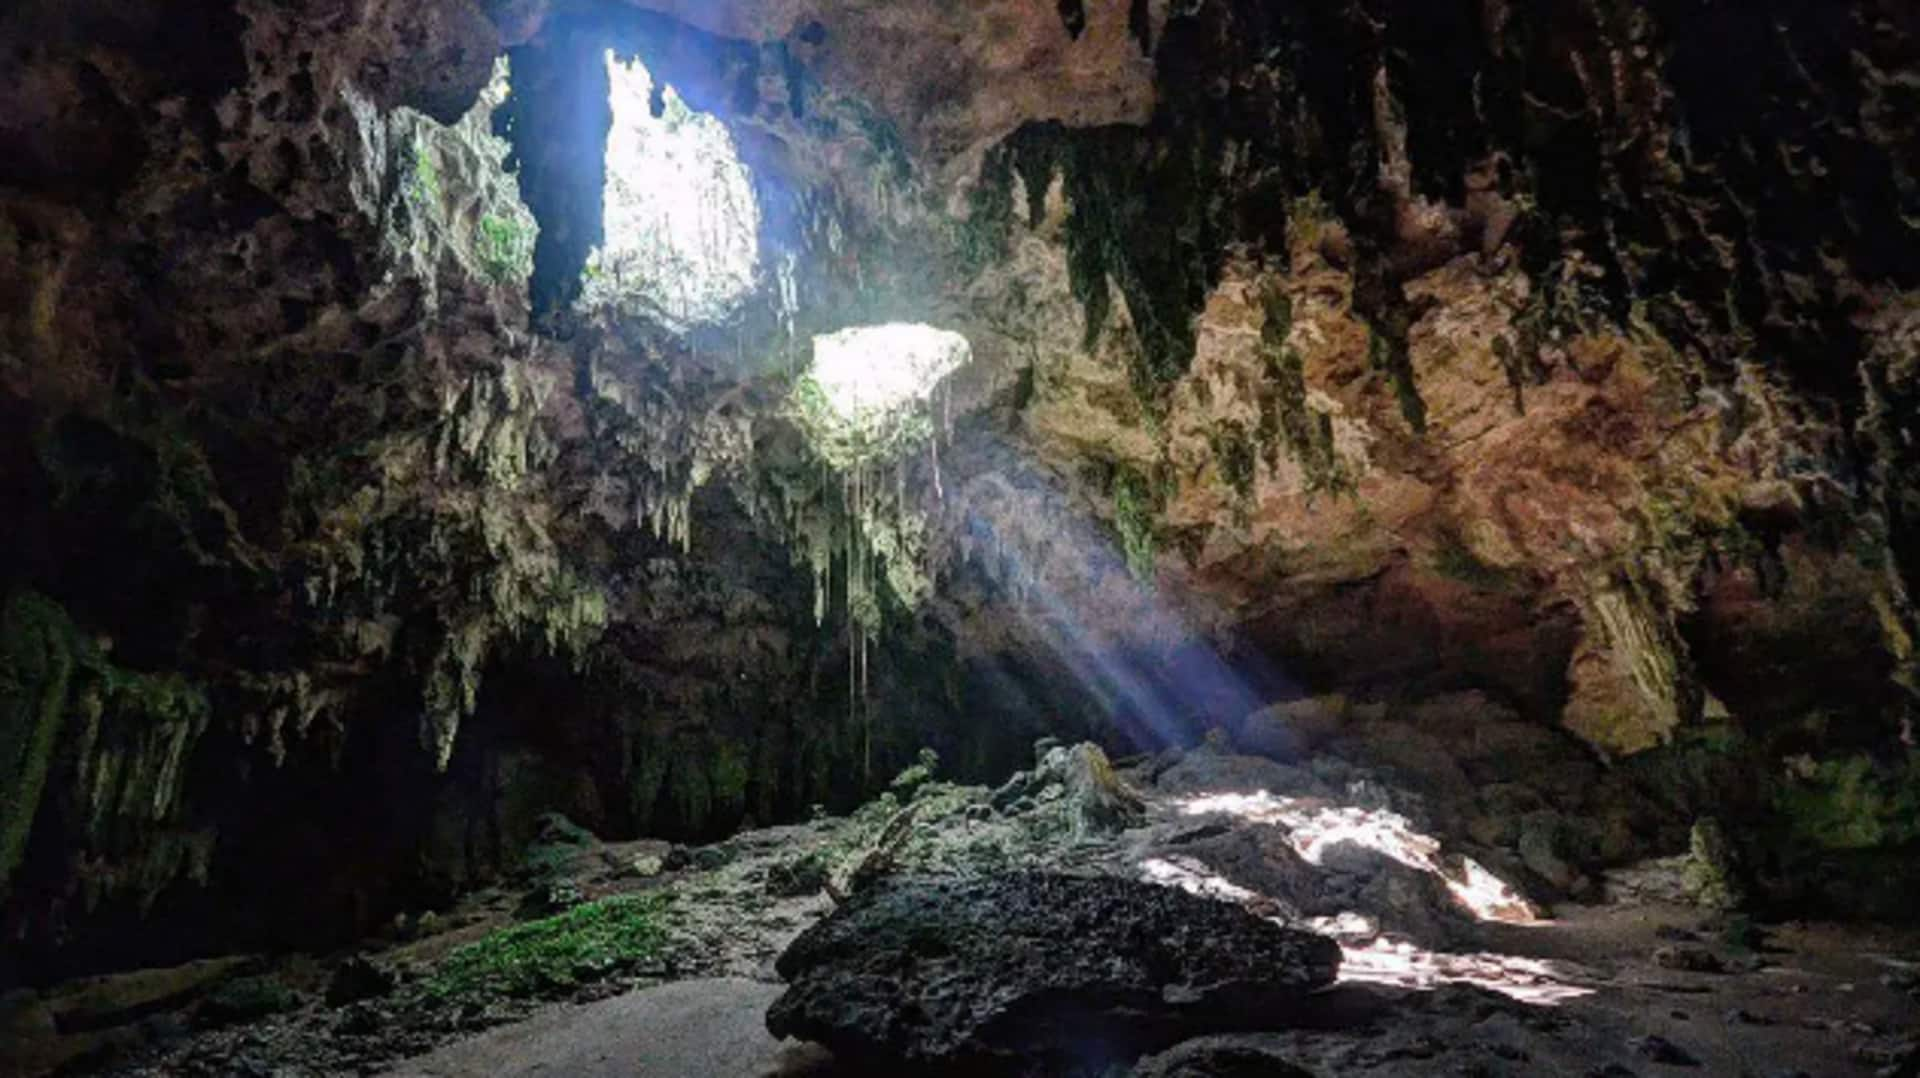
358,978
1348,879
1205,772
1291,729
1040,974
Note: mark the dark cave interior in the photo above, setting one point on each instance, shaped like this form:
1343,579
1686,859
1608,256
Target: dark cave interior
1158,537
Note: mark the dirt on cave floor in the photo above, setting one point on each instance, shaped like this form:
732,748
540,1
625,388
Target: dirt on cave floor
1641,982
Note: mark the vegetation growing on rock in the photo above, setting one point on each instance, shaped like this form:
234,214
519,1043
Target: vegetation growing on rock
297,411
554,954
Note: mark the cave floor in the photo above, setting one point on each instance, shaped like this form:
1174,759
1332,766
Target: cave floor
1818,1007
1633,985
1817,1004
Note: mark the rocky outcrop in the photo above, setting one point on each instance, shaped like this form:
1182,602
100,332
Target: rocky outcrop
1399,348
1037,974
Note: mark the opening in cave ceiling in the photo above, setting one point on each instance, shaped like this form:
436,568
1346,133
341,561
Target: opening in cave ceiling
682,222
864,400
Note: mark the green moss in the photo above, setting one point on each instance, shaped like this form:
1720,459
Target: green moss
922,772
38,648
1853,803
555,954
645,777
1307,219
728,780
1286,422
504,246
424,185
1390,356
888,152
1145,216
1136,508
845,444
248,999
133,731
1456,561
1233,450
689,789
1713,875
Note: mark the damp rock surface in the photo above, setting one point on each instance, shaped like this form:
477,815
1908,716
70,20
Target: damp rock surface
1038,970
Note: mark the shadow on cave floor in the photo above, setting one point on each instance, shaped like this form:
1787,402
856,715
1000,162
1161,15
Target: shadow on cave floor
640,957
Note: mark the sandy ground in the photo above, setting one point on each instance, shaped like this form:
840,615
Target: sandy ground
690,1028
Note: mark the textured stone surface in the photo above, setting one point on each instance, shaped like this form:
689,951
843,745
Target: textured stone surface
1392,349
1045,973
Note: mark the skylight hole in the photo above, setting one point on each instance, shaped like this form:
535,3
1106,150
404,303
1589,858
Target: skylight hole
682,223
866,397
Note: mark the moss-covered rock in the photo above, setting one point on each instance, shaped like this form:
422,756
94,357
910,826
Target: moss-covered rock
554,954
107,746
248,999
1714,876
1851,803
38,647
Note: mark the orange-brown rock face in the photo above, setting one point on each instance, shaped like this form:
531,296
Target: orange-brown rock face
1539,363
1595,483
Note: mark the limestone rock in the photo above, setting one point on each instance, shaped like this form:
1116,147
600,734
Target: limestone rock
1712,875
1038,974
1096,800
1285,731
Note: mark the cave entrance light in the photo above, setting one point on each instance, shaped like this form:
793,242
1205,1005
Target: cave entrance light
682,224
867,397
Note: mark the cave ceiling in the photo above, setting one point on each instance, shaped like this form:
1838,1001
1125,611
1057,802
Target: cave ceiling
1382,346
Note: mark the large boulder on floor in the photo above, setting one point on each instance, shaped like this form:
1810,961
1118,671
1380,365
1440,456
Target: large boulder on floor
1038,974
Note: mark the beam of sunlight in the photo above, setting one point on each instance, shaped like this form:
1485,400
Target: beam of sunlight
1172,682
868,372
1313,827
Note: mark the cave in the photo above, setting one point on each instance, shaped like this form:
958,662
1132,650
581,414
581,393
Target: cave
1168,538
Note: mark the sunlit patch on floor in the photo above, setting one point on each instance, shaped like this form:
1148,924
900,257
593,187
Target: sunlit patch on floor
1401,964
1313,827
682,222
1194,878
1368,957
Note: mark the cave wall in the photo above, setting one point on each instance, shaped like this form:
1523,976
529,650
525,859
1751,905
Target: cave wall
1554,356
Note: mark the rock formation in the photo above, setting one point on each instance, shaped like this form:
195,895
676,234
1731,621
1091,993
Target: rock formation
1527,385
1008,972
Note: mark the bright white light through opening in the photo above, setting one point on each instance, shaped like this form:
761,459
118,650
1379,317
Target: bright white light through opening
682,223
869,371
867,396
